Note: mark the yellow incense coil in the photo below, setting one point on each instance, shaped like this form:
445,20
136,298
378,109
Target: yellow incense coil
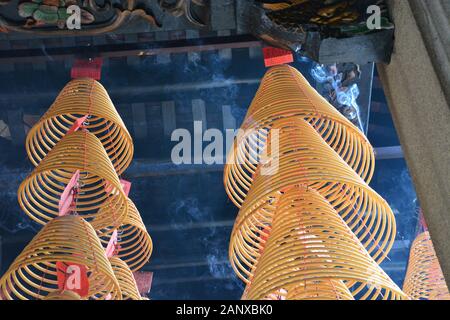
317,289
82,97
309,242
126,279
424,279
40,193
63,295
320,290
135,244
303,159
285,93
68,239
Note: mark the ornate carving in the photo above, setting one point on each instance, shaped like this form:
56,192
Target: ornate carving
308,26
179,8
48,17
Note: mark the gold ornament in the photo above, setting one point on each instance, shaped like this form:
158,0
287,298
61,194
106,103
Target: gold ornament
82,97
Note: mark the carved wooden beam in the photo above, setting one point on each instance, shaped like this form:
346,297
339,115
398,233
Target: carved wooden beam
102,19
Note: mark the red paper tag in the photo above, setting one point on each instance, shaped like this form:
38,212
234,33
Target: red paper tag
77,124
126,186
67,196
112,245
276,56
72,277
91,68
265,233
422,221
144,281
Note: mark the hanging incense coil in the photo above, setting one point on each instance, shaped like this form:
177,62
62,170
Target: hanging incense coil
424,279
63,295
82,97
285,93
126,279
135,245
40,193
323,289
303,159
67,239
320,290
309,245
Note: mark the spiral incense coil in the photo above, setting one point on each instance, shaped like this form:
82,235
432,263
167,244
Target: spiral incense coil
40,193
126,279
285,93
63,295
82,97
303,159
68,239
424,279
310,243
135,245
320,290
317,289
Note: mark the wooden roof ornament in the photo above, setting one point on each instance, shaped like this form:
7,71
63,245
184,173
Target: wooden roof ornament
86,99
69,240
135,245
424,278
311,253
99,185
285,93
